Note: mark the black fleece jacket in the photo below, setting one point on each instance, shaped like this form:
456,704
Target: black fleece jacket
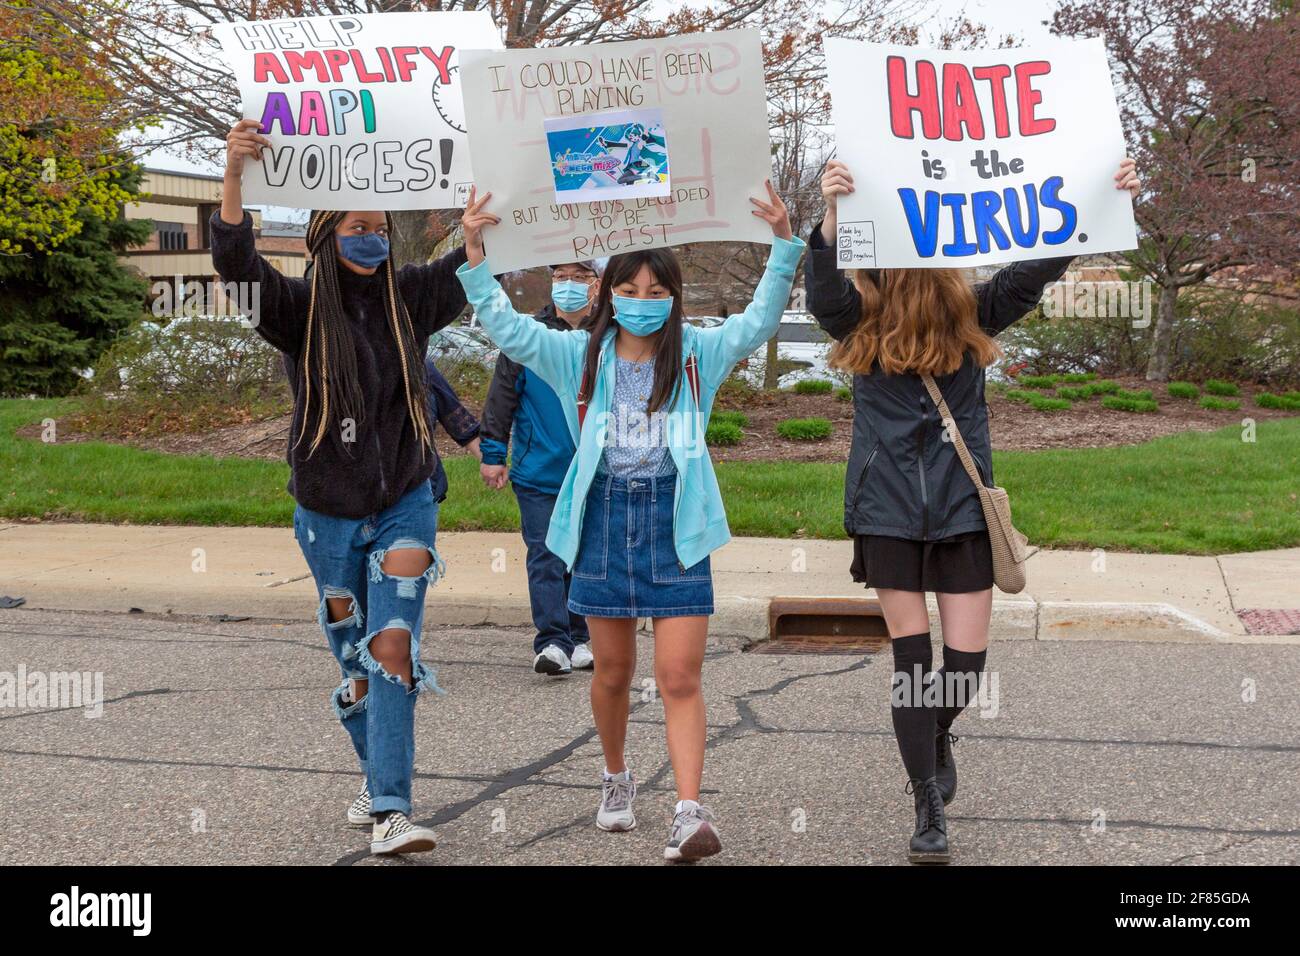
385,460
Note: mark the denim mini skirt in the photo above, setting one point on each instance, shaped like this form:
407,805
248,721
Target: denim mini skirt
627,565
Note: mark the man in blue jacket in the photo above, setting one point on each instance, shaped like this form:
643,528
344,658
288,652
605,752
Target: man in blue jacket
521,406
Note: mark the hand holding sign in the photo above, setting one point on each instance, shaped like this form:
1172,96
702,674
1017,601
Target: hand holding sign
472,223
774,213
243,141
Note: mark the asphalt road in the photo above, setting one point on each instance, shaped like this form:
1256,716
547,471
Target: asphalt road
216,744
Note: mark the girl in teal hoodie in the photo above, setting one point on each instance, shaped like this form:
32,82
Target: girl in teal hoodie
640,511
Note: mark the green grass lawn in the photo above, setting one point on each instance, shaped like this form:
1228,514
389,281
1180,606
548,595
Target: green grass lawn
1194,493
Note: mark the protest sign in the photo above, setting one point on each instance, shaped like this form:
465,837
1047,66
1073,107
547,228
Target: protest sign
704,89
363,111
965,158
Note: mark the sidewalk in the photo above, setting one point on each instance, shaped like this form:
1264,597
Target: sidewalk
259,573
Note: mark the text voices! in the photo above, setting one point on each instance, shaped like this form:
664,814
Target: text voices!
103,909
950,110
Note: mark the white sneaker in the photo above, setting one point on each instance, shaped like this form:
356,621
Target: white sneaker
693,836
397,834
552,661
617,793
582,659
359,812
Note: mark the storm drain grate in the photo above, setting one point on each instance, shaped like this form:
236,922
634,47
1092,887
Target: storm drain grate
1271,620
823,626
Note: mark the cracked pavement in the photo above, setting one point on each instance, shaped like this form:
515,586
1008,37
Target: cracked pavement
217,745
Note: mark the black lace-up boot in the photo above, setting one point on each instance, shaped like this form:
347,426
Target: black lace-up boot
929,844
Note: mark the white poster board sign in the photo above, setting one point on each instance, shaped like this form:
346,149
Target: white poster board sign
965,158
707,89
363,111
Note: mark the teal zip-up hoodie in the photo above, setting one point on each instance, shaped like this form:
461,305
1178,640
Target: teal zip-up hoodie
699,519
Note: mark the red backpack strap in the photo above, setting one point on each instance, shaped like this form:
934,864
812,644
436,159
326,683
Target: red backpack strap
584,396
693,376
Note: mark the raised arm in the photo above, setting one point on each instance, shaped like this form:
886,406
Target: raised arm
278,304
553,354
832,298
1014,290
432,286
724,345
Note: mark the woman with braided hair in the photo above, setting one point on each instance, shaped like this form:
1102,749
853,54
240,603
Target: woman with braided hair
353,336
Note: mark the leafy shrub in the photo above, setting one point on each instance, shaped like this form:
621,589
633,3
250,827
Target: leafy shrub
1076,378
1036,381
723,433
1219,387
1019,395
1284,402
844,395
1075,393
1141,395
813,386
1103,387
1124,404
1045,403
804,429
1183,390
730,417
1219,404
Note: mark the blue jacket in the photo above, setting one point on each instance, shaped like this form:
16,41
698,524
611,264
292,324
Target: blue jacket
521,406
699,518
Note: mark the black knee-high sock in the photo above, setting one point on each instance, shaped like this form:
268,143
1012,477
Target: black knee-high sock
967,666
914,724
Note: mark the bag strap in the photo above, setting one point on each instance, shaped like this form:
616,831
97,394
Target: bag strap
584,391
954,434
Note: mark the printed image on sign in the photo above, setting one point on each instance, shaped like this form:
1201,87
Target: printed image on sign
600,156
364,111
698,98
965,158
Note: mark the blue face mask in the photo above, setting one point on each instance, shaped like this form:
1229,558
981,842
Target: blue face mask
570,295
366,251
642,316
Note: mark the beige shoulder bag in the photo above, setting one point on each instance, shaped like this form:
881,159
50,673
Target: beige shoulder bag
1010,547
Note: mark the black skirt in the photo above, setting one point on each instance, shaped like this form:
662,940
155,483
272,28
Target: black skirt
956,565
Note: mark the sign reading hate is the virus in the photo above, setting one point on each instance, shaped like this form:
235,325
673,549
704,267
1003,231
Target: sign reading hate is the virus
364,111
694,102
965,158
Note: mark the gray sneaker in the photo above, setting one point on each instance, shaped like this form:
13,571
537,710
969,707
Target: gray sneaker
615,813
693,836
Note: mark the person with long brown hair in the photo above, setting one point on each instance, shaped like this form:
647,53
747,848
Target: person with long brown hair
909,505
640,511
361,456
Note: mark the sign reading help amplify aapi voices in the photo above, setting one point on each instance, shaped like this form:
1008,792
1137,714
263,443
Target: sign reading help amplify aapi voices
363,111
965,158
706,94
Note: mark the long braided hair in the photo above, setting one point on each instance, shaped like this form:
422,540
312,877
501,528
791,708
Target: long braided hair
328,365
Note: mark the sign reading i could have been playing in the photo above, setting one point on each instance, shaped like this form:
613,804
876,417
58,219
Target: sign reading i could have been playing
965,158
363,111
695,103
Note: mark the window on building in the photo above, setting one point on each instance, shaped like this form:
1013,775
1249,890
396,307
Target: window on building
171,236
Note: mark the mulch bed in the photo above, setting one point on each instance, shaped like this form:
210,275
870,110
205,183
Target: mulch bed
1015,427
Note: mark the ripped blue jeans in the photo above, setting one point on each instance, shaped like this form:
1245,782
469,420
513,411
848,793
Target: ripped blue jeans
346,557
